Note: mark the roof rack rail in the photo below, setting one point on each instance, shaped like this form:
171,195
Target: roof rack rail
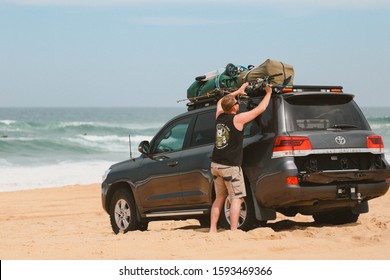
202,102
213,96
208,99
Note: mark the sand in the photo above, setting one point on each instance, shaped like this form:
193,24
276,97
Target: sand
69,223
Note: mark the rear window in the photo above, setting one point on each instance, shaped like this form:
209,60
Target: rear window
328,111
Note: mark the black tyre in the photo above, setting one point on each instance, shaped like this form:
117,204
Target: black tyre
123,212
204,222
143,226
246,220
339,217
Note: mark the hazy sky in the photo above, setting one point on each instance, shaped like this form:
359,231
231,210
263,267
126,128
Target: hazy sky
147,52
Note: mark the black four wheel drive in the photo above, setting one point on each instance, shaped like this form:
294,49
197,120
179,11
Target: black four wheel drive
311,152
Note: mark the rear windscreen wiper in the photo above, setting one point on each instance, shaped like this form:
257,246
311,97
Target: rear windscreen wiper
342,126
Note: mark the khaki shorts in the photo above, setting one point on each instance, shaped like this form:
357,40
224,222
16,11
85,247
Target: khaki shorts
228,180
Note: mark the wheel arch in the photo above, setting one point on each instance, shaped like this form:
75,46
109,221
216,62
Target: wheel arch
127,186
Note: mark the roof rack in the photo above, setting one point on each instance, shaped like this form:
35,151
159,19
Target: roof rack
210,98
213,96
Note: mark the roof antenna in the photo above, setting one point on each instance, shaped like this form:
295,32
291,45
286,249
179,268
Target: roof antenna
131,154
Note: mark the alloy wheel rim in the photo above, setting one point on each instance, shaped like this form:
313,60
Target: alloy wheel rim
243,212
122,214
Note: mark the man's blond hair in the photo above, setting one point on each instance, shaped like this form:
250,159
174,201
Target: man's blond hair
228,102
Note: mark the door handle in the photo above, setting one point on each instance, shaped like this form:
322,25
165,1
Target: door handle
173,163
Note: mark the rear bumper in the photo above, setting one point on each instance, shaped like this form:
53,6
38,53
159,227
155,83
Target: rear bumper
273,192
340,176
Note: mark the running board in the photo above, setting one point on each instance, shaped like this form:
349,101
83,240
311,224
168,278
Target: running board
177,213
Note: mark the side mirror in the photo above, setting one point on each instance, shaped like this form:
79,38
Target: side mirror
144,147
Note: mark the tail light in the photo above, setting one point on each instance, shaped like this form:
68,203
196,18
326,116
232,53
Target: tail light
291,146
292,180
375,144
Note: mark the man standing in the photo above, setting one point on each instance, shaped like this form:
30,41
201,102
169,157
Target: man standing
228,152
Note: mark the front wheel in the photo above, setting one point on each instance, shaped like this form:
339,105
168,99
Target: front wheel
123,212
246,219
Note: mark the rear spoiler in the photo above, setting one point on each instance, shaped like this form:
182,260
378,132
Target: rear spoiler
303,88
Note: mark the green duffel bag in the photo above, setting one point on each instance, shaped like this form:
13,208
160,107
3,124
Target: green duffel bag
269,68
201,88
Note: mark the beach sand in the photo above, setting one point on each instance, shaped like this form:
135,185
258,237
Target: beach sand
69,223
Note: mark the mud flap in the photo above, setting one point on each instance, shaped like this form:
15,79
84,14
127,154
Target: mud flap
263,214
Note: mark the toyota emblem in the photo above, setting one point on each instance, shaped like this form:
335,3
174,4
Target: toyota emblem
340,140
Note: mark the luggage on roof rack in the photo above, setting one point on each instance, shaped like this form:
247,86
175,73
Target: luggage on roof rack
207,89
277,72
233,76
222,78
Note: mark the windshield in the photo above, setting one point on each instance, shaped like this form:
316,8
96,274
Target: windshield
323,113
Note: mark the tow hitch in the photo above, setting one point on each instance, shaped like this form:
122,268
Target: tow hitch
349,191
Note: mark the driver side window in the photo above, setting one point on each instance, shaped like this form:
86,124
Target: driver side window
172,138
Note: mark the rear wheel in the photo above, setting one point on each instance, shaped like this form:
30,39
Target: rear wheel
246,219
123,212
204,222
339,217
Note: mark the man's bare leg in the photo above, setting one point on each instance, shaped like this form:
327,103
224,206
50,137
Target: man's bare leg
235,207
216,210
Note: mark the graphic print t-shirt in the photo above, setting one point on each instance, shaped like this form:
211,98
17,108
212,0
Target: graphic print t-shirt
228,141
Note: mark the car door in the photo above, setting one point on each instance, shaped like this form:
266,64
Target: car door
160,186
196,160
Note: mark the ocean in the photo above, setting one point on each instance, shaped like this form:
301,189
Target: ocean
52,147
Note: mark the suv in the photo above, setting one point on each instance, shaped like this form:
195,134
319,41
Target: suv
311,152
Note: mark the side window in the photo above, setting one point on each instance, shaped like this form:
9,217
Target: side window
251,129
265,120
204,130
172,138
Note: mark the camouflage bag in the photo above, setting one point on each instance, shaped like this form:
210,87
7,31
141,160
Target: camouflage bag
269,68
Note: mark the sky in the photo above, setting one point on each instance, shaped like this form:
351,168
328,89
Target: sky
136,53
